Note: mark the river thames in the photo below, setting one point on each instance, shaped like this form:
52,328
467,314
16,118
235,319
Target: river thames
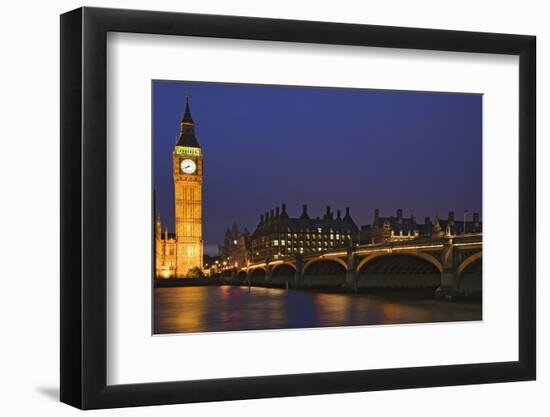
230,308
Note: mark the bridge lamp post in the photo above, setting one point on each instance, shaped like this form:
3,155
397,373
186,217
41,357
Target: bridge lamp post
465,212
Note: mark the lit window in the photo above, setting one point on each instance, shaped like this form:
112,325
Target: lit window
331,237
275,243
282,242
301,250
319,230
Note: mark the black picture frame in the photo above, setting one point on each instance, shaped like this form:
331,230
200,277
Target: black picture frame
84,207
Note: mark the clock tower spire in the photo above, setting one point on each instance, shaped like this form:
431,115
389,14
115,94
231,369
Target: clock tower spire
187,169
187,128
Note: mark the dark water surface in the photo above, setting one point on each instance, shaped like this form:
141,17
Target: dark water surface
214,309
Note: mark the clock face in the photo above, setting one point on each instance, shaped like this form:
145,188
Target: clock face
188,166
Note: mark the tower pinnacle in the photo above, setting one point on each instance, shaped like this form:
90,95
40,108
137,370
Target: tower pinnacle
187,128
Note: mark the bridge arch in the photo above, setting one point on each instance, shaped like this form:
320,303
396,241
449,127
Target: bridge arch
240,277
226,274
325,272
399,270
423,255
470,259
282,268
469,275
324,259
283,273
258,275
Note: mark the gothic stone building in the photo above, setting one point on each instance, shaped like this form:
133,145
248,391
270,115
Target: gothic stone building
397,228
235,247
279,235
178,253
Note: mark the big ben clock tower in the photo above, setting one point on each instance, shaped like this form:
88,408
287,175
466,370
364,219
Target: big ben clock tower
187,157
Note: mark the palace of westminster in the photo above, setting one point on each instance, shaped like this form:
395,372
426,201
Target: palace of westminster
277,235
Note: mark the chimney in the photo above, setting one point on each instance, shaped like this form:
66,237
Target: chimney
476,218
277,211
266,216
283,208
338,216
376,213
304,212
399,214
347,213
427,221
271,214
451,217
261,218
328,214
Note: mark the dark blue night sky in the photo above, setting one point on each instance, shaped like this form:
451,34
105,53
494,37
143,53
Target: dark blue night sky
266,145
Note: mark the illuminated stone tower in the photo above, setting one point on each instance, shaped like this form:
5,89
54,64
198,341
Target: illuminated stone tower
187,157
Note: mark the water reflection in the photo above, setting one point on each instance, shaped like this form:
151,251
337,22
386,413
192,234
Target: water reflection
213,309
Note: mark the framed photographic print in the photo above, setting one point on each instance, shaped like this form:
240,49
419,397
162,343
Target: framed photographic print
258,208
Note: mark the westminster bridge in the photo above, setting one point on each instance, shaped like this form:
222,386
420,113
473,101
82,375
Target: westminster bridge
452,264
